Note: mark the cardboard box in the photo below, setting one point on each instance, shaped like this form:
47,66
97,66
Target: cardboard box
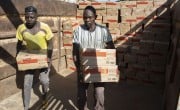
98,56
31,60
93,74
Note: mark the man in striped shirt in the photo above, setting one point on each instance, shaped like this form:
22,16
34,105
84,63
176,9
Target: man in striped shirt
90,35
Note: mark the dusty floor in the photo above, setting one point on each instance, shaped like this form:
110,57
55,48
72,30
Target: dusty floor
118,96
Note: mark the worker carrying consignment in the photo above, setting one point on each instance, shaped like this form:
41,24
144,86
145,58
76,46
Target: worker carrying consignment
94,36
35,36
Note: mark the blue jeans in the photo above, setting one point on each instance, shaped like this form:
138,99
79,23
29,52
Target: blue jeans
28,81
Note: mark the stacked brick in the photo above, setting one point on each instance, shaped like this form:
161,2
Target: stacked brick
171,94
147,43
68,26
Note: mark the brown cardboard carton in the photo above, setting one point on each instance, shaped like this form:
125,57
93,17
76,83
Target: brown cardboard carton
100,74
27,60
94,57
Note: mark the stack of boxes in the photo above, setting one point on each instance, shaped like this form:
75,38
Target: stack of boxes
99,65
141,33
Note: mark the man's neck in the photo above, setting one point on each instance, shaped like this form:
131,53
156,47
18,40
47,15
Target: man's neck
92,28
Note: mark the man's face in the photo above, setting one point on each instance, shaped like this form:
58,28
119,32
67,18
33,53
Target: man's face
89,18
30,18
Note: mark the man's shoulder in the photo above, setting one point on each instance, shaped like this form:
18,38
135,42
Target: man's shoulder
101,26
21,27
43,24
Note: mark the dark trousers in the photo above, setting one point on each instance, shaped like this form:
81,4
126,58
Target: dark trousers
98,95
28,82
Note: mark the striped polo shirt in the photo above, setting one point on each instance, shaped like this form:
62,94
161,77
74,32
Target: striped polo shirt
96,39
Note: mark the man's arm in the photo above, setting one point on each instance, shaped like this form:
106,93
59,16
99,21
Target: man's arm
110,45
18,47
76,57
49,51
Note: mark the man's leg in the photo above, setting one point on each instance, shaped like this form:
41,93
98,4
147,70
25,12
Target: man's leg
28,81
44,80
82,94
99,96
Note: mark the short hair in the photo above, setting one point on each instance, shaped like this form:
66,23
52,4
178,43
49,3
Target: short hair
91,8
30,9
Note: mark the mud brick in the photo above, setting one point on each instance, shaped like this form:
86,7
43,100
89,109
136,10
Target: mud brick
80,19
135,40
144,60
68,51
110,19
161,19
146,22
163,12
120,57
162,36
128,19
142,75
129,72
128,4
161,3
70,62
62,63
113,5
112,12
101,12
79,12
157,69
67,24
138,11
157,60
146,44
99,5
122,40
150,12
143,52
67,42
113,25
126,11
135,49
139,67
137,26
75,24
122,74
157,52
159,27
130,58
82,5
122,64
67,33
124,27
144,4
157,78
123,48
161,46
114,33
148,35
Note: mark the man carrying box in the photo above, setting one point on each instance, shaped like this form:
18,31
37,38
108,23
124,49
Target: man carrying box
37,36
90,35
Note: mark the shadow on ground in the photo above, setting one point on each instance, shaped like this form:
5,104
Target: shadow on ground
118,96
